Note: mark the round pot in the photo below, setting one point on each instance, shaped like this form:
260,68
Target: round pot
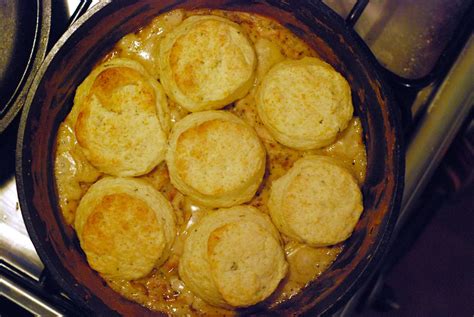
72,58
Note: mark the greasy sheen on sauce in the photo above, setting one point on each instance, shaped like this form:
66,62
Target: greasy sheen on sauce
162,289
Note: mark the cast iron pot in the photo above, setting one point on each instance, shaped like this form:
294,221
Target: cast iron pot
69,62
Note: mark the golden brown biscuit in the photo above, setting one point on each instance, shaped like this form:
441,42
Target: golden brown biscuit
121,119
125,227
215,158
224,267
246,261
317,202
206,63
304,103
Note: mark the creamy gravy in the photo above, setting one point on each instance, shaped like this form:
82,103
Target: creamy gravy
162,290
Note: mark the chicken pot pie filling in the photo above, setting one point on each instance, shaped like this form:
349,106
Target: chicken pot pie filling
190,224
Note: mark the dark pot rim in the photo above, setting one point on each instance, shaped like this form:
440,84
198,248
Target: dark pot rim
26,179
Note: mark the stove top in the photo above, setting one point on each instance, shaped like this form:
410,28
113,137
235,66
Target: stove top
425,49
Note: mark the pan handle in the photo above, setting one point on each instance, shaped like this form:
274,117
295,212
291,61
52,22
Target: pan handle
356,12
80,10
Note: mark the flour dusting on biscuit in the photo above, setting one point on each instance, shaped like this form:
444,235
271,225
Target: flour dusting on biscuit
317,202
206,63
246,270
226,268
215,158
304,103
121,119
125,227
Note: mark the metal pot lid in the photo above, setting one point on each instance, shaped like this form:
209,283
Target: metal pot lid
24,33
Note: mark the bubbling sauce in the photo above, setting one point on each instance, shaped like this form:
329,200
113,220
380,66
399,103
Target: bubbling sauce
162,289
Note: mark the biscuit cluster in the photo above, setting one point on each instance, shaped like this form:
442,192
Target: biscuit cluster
233,257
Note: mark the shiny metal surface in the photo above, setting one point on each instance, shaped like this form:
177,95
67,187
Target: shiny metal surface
26,299
406,36
73,4
15,245
448,108
25,29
